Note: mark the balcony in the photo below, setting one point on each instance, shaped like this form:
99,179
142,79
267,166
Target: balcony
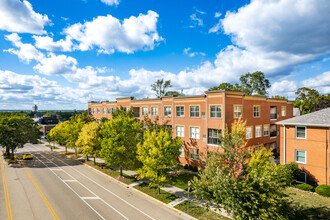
273,116
273,131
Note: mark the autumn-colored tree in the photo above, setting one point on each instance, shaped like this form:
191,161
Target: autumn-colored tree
158,153
89,140
120,137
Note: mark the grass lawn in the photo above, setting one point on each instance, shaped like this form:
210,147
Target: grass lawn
198,211
307,205
181,180
153,192
115,174
71,154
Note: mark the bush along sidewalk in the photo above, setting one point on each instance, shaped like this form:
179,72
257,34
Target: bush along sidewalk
305,187
323,190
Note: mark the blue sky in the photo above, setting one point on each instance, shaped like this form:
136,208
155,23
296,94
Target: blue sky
62,54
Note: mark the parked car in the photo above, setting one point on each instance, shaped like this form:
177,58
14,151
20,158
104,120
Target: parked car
27,156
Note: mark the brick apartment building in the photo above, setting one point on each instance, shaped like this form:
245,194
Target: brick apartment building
199,119
305,140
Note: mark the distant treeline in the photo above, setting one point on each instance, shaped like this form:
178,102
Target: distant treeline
61,115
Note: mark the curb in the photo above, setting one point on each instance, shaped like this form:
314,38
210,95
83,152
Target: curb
144,194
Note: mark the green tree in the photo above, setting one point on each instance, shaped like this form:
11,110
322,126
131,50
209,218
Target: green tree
225,86
49,113
120,137
254,83
17,129
89,139
306,99
158,153
174,93
60,134
121,111
160,87
247,186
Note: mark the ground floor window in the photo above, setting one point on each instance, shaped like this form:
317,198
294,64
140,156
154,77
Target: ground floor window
302,178
182,151
194,153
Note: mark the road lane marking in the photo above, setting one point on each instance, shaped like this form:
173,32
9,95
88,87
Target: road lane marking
69,180
106,189
50,208
90,197
5,189
85,188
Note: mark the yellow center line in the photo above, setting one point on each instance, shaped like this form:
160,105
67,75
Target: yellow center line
51,210
5,188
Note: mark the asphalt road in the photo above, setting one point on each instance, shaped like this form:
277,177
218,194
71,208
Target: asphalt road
52,186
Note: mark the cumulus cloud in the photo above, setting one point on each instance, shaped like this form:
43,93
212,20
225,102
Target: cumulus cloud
30,89
322,80
187,51
19,16
111,2
108,34
25,52
47,43
56,65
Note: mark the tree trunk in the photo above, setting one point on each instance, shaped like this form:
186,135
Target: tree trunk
121,171
87,158
94,160
7,151
158,189
12,154
75,151
66,149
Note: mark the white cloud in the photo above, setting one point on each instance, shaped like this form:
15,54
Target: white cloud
215,28
30,89
187,52
47,43
217,14
196,20
25,52
18,16
56,65
111,2
322,80
108,34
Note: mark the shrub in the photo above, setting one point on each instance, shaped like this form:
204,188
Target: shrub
305,187
194,169
323,190
289,173
186,167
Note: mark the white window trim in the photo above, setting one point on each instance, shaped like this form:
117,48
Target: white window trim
199,134
176,130
295,157
216,111
305,132
259,126
282,111
251,133
182,152
258,111
143,112
266,126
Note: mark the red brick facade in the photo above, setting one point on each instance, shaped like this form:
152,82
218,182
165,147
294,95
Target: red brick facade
197,115
315,160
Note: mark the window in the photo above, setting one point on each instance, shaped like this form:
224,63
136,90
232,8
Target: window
179,111
194,111
273,131
302,177
283,110
180,131
113,110
258,131
127,109
181,152
104,111
154,111
144,110
194,132
93,110
215,111
273,115
301,132
98,110
167,111
266,130
109,111
98,121
194,153
300,156
213,137
248,132
237,111
256,111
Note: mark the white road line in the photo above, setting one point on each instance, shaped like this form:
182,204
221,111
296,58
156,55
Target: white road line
90,197
56,169
69,180
139,210
86,189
